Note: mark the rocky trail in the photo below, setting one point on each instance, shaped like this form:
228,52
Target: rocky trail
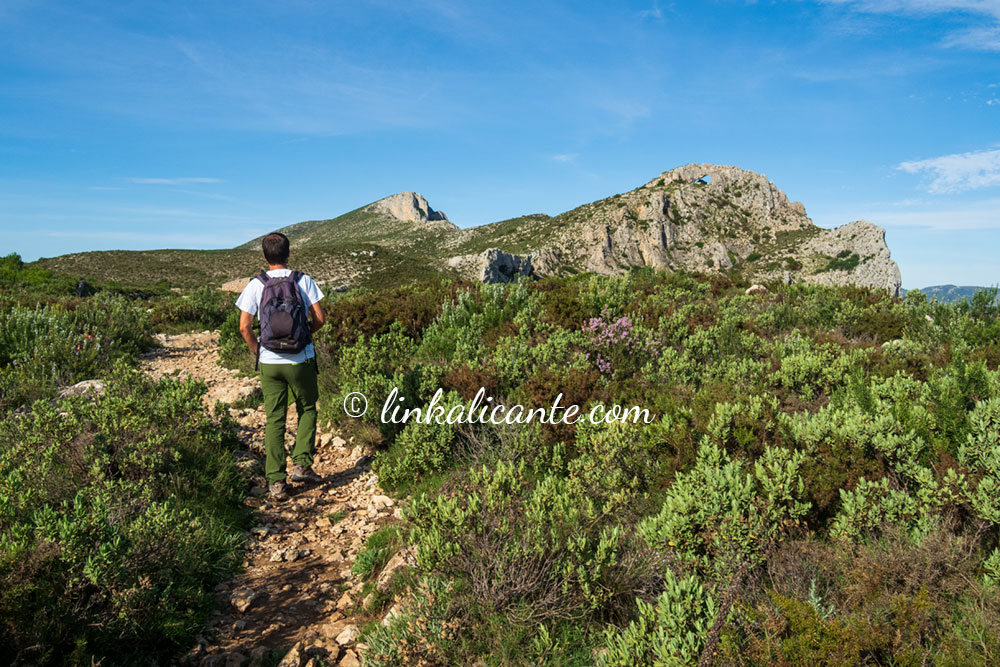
294,602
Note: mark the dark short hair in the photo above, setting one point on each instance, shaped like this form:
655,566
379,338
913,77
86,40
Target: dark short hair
275,247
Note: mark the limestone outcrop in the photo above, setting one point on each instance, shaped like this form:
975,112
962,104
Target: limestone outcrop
492,266
705,217
407,207
698,217
862,240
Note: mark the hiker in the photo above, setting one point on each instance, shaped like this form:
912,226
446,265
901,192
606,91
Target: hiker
286,358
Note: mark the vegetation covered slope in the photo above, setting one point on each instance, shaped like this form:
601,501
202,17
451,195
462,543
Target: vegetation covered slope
818,484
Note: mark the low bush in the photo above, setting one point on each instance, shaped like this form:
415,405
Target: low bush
916,602
529,552
118,513
420,448
44,348
844,261
233,350
670,631
205,308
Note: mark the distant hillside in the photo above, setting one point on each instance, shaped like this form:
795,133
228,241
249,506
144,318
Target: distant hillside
950,293
349,264
699,217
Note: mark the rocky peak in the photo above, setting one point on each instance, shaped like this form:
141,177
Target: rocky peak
408,207
706,217
743,188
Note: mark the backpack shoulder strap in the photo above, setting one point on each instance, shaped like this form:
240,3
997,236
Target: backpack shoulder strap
263,277
295,276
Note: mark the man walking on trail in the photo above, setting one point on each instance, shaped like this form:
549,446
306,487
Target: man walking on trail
284,327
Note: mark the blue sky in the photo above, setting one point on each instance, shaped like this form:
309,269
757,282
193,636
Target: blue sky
202,124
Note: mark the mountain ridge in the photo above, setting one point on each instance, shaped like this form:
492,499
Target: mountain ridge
696,217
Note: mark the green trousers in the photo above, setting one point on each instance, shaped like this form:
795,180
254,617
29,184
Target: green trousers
275,381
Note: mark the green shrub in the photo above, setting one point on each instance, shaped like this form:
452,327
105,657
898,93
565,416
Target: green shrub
420,448
844,261
605,293
205,308
371,313
476,316
616,463
871,506
379,548
48,347
374,366
425,632
529,552
117,516
233,350
672,631
717,517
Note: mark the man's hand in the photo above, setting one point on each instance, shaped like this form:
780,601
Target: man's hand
246,328
318,318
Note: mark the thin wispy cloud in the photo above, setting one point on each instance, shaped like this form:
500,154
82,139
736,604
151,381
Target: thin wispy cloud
653,12
187,239
978,215
959,172
623,111
565,157
205,195
984,39
173,181
923,214
989,7
975,37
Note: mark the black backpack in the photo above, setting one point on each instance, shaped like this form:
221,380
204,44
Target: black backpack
284,322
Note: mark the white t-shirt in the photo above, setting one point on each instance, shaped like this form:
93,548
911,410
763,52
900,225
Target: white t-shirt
249,302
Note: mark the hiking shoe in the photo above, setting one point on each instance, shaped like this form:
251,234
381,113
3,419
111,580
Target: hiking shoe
277,491
303,474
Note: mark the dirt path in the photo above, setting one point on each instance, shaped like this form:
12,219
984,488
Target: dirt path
296,592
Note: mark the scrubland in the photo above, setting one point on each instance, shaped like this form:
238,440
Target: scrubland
819,486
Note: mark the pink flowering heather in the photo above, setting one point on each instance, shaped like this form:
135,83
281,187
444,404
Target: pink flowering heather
615,341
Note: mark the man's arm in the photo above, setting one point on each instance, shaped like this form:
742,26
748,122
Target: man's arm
246,328
318,318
